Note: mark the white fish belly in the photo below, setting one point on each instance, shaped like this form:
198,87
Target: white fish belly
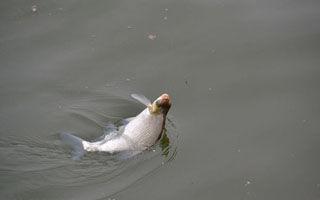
145,129
139,134
111,146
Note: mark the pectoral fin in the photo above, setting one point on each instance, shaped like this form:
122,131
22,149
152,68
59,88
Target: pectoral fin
142,99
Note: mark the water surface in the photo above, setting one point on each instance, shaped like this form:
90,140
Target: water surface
243,75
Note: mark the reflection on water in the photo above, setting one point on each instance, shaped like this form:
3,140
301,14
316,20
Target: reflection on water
164,143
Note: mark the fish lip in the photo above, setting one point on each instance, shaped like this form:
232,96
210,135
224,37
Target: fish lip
163,101
161,105
165,96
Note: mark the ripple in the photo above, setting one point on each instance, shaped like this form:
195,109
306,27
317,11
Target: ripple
42,164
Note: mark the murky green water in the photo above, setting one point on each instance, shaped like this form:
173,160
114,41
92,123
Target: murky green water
243,75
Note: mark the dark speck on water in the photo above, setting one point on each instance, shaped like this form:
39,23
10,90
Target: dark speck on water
187,83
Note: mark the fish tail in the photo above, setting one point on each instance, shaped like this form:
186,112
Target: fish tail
77,144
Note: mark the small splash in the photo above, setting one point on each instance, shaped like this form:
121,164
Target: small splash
248,182
34,8
152,36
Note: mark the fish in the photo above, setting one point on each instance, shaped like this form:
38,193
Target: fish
135,135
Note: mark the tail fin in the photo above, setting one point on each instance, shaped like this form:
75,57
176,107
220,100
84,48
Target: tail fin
75,143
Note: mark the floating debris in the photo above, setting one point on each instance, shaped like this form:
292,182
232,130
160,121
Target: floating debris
128,79
34,8
187,83
239,150
129,27
166,9
152,36
247,183
165,18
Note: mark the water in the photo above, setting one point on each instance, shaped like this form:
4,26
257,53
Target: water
243,75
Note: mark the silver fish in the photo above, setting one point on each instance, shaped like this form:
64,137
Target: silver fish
137,134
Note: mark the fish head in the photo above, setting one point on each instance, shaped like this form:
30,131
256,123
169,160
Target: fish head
161,105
